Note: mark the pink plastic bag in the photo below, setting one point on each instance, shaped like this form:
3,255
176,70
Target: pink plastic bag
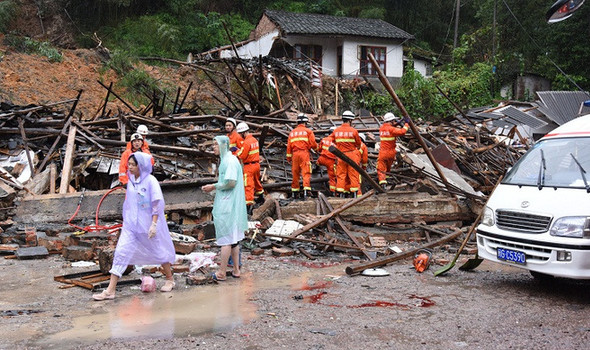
148,284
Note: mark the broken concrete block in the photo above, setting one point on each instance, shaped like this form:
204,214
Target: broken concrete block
282,251
77,253
31,253
184,247
257,251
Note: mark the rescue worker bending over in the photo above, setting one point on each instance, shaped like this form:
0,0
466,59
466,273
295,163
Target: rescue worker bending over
347,140
249,154
136,144
301,141
328,159
387,135
235,139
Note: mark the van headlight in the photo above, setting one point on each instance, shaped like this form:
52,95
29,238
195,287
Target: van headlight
488,217
571,226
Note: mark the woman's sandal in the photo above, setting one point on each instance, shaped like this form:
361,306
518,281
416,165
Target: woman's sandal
231,274
103,296
168,286
217,279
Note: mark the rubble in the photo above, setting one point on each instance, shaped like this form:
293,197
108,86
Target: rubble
57,168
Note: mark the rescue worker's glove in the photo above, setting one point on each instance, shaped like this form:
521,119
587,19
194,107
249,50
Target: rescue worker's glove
233,149
407,120
152,230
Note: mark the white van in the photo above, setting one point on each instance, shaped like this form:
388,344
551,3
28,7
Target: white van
538,218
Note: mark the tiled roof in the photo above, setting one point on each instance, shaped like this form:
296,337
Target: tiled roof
314,24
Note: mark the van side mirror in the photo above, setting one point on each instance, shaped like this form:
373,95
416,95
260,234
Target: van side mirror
562,9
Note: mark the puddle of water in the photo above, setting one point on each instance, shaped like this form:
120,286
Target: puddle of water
214,308
196,310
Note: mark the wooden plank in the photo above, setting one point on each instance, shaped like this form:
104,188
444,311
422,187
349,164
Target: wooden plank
68,161
52,177
59,208
344,228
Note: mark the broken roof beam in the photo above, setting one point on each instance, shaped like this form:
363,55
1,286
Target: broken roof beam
165,148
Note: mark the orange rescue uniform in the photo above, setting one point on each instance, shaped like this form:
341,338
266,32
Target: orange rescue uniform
124,163
328,159
301,140
347,140
249,154
364,151
235,140
387,135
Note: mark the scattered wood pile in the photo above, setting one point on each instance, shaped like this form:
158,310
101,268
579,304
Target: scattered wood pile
49,156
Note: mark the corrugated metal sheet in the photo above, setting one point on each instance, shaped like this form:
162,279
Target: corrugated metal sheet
561,106
523,118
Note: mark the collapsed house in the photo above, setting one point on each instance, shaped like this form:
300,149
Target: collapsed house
59,176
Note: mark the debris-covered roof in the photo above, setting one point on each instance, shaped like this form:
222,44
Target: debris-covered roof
314,24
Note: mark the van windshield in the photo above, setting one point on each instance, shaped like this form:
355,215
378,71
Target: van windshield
565,164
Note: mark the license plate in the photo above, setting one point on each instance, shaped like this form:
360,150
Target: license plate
511,255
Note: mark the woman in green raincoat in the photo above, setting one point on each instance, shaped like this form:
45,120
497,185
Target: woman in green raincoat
229,208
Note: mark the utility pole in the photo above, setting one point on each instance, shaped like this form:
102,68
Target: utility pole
494,52
456,23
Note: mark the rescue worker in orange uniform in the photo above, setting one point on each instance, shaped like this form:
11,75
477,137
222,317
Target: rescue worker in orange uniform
301,141
249,155
135,144
328,159
347,140
235,139
364,151
387,135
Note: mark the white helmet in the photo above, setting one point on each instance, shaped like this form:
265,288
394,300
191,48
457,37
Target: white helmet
242,127
302,118
142,129
363,136
136,136
231,120
388,117
348,115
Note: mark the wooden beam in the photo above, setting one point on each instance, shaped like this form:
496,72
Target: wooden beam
343,226
52,177
354,269
415,130
68,161
67,123
332,214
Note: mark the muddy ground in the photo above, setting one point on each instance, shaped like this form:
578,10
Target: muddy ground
292,303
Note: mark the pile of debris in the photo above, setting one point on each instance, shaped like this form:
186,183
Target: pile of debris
59,175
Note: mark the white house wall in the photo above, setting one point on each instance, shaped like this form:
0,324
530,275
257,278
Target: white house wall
350,52
254,48
420,67
329,50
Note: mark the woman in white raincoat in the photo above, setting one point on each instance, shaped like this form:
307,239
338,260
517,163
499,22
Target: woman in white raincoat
229,208
144,239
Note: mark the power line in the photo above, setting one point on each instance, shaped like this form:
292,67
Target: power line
540,48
